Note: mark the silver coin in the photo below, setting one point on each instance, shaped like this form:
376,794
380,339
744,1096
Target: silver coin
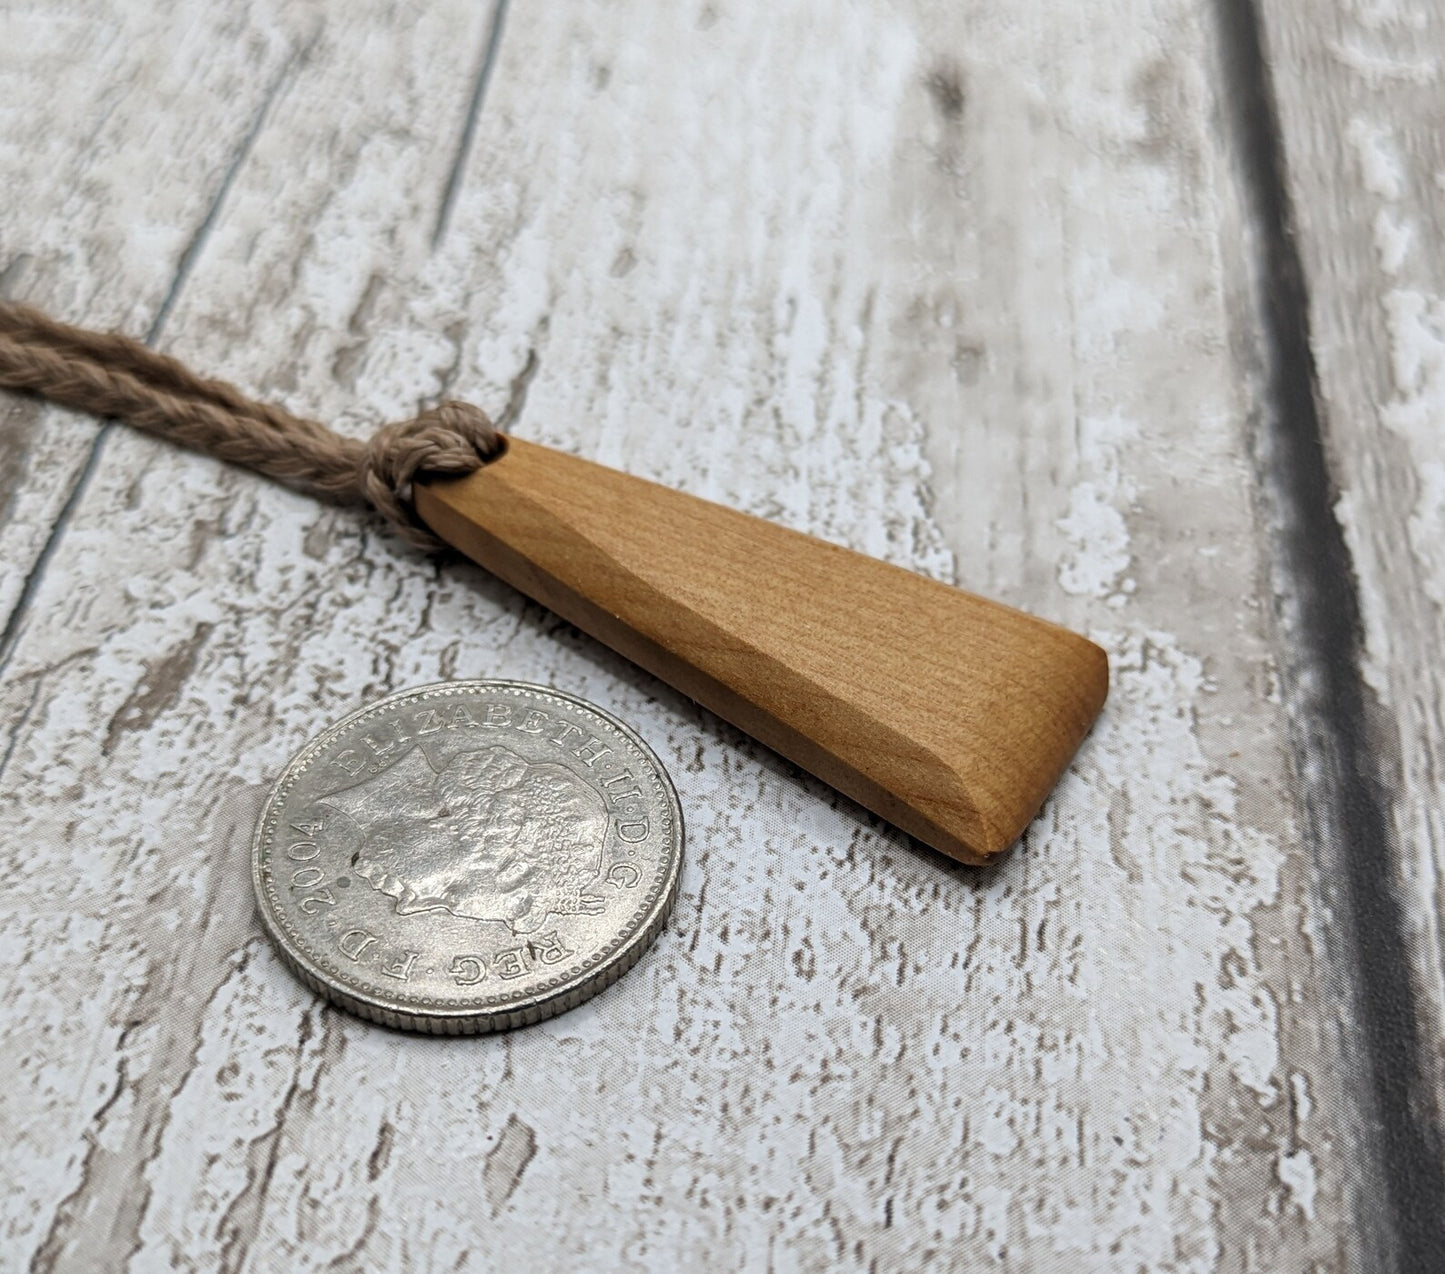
470,856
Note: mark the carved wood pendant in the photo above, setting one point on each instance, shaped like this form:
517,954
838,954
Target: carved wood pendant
948,715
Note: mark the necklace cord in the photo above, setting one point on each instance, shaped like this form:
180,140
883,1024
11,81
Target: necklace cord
111,375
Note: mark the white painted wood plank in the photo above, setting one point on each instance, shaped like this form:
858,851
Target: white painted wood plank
66,1064
941,282
118,128
1361,92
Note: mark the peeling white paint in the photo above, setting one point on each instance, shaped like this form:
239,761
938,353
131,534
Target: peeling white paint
1297,1175
1377,152
1417,414
1367,215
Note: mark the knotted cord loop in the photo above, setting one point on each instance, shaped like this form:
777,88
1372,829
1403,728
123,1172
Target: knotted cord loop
450,440
112,375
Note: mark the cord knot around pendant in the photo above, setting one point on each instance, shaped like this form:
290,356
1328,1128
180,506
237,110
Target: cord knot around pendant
109,374
450,440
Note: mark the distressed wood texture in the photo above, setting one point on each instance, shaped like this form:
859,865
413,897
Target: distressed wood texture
953,284
1361,92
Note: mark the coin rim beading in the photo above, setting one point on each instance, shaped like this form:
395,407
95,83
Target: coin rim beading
496,1012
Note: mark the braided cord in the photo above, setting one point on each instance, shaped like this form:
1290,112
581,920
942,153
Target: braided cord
108,374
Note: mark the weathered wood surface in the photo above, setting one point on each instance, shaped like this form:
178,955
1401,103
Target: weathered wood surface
956,285
1361,92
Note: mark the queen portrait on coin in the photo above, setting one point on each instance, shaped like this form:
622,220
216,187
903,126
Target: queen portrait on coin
485,835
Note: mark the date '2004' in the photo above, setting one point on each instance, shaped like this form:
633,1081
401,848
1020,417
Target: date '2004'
465,969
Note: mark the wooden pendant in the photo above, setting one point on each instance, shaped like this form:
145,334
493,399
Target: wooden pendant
948,715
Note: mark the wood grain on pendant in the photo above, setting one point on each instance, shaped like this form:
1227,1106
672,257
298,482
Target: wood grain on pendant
948,715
